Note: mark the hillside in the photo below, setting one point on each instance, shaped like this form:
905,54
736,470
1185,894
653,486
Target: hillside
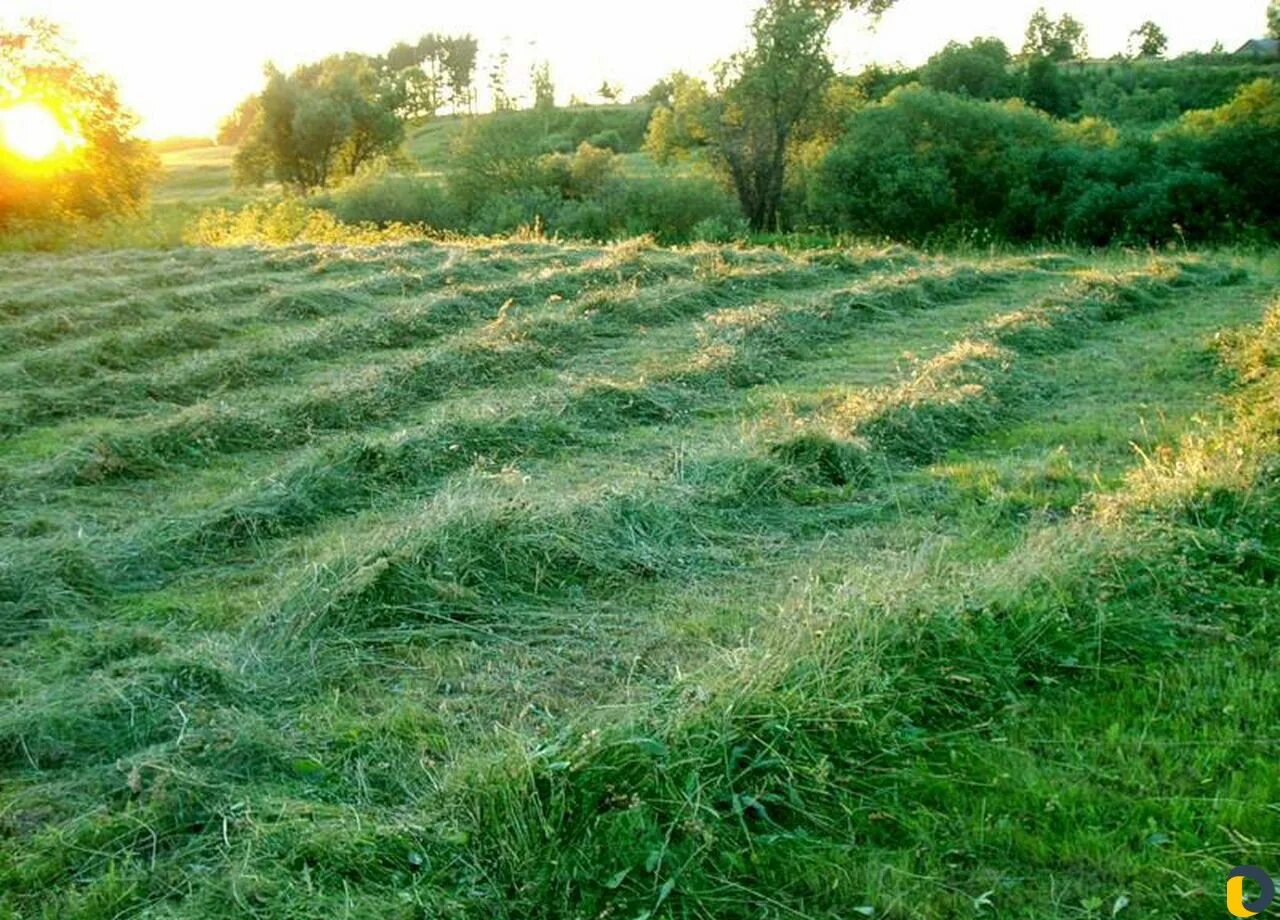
523,579
194,175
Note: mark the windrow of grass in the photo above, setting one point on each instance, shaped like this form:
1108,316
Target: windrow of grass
374,393
969,389
348,477
965,390
477,562
852,759
889,735
125,381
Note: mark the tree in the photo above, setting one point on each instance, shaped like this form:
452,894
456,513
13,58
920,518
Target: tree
610,92
502,99
237,126
544,87
321,122
1273,19
659,94
686,123
495,155
460,66
1061,41
438,69
100,168
768,92
1148,41
979,70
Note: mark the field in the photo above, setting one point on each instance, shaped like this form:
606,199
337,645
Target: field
201,175
524,579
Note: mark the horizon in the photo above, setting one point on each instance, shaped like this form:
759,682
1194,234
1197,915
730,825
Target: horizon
163,83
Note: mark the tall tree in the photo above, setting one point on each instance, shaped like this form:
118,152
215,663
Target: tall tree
1273,19
979,69
768,92
498,82
460,65
544,87
237,126
321,122
1059,41
1148,41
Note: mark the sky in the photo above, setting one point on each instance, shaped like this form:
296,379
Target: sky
183,66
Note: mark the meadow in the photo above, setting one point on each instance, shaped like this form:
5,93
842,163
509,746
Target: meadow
522,578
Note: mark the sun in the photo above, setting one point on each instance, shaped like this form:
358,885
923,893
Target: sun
33,132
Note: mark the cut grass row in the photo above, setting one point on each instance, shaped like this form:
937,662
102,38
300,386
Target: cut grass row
372,393
159,768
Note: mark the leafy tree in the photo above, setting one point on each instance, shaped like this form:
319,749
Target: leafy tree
1273,19
404,56
687,123
237,126
979,70
544,87
1059,41
437,70
1044,87
610,92
922,162
104,169
498,83
460,59
766,95
1148,41
321,122
495,154
1238,142
659,94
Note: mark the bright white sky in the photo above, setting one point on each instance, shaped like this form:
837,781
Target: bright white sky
183,66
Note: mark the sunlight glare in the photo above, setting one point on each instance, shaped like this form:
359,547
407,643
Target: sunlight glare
33,132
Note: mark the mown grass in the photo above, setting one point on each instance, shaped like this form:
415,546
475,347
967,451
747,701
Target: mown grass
518,579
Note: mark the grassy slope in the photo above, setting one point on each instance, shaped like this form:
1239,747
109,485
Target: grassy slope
525,579
202,176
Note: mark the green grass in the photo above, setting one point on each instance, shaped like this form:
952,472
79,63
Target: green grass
524,579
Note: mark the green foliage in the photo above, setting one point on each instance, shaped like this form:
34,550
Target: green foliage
378,196
1238,143
685,124
235,129
1148,41
1058,41
108,171
320,123
764,98
1273,19
980,70
923,161
926,164
494,155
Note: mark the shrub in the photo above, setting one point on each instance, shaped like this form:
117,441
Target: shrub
922,161
386,198
668,208
979,69
1238,142
924,164
608,140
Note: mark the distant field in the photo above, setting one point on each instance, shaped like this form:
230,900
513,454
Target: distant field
202,175
534,580
194,176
